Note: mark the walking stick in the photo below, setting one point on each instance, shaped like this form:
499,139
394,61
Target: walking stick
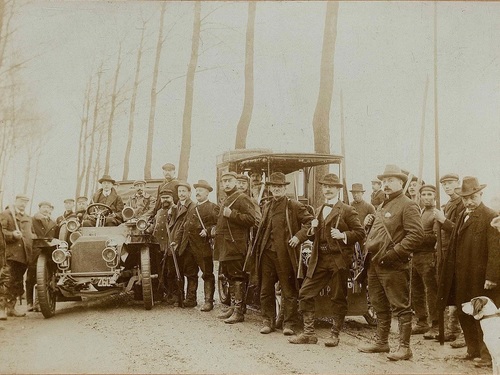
178,277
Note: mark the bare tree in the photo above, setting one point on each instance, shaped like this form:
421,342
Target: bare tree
152,111
188,101
131,121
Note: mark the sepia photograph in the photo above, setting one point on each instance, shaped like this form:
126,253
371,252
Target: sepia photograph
249,187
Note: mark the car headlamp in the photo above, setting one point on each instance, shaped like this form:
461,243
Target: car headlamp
60,254
72,225
109,254
141,224
74,236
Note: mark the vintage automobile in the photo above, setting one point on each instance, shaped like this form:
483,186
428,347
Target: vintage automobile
99,261
300,170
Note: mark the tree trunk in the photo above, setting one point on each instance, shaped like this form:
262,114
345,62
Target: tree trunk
152,111
112,114
321,119
188,102
82,140
126,159
246,114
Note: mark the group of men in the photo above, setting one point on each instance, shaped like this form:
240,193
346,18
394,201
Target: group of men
257,239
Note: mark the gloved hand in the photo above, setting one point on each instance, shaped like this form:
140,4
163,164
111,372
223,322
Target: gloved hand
389,257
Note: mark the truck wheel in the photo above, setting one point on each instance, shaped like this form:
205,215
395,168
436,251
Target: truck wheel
46,285
147,286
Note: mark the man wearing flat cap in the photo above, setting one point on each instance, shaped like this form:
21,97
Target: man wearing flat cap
18,231
336,228
276,254
395,233
196,243
69,204
142,202
107,195
472,266
44,227
169,182
237,215
424,281
378,195
361,206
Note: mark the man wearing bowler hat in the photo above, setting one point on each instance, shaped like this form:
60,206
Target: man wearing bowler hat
142,202
396,232
107,195
69,204
237,215
170,182
276,254
361,206
196,244
472,266
336,229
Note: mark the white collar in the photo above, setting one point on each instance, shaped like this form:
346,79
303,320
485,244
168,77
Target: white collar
333,201
200,203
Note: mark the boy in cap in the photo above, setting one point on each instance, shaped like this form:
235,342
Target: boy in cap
336,229
396,232
142,202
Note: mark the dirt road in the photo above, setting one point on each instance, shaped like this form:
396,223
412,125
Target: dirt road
117,335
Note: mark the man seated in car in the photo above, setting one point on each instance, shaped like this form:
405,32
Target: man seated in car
142,202
108,196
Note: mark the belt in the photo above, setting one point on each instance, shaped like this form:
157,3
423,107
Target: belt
325,249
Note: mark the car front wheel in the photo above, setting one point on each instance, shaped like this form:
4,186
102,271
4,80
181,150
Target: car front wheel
147,285
45,288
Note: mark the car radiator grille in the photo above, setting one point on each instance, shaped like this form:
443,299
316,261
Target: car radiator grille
86,255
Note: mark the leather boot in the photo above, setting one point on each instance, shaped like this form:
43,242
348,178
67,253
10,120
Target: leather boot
226,313
433,333
459,342
381,344
11,311
239,294
209,289
308,336
333,340
420,327
3,315
403,352
268,326
192,287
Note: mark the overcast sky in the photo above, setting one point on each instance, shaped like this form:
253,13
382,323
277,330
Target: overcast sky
384,52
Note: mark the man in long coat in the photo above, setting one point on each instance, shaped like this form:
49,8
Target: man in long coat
276,248
336,229
472,266
19,240
237,215
107,195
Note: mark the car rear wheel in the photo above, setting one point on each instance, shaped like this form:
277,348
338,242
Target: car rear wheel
147,285
46,283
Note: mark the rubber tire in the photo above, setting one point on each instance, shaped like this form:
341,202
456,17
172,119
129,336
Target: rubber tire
147,285
223,290
45,276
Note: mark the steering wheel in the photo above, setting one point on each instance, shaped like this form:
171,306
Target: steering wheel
99,209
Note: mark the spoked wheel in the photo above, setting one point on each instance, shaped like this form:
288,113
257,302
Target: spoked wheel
147,285
223,289
46,285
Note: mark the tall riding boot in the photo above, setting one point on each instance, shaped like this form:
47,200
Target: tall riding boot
239,294
3,315
192,287
338,322
308,336
209,289
381,344
403,352
11,311
228,310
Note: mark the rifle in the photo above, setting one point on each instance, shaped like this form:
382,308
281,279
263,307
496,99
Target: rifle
209,237
178,277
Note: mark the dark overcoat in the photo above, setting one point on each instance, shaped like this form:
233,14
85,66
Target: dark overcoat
18,250
178,222
44,227
348,223
296,221
113,200
160,231
232,233
172,185
473,256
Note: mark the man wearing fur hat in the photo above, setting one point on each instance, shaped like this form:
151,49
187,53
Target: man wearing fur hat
472,266
336,229
142,202
107,195
196,242
396,232
44,227
276,252
18,232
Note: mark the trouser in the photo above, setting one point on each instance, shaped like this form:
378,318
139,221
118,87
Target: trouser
31,276
326,271
170,276
473,335
273,272
233,270
424,286
192,264
389,288
11,280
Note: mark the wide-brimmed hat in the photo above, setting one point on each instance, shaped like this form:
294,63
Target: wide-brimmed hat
277,178
137,182
392,170
331,179
428,187
168,167
45,203
23,197
470,185
203,184
357,188
449,177
106,177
